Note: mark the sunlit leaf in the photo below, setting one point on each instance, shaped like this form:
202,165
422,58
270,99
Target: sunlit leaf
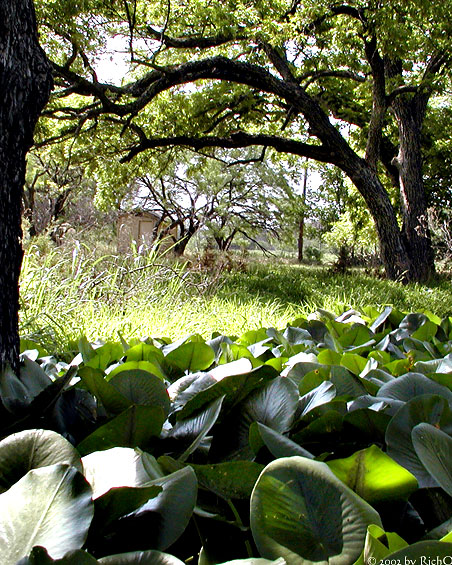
302,512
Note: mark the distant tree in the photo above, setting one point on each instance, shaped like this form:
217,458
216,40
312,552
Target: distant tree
52,182
437,155
227,195
441,222
294,206
25,83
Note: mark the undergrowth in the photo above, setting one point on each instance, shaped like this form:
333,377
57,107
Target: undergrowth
72,291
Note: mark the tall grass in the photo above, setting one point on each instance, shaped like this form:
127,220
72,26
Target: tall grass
70,292
66,293
312,287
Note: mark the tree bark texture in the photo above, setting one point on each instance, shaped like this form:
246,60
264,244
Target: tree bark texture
392,249
412,194
25,85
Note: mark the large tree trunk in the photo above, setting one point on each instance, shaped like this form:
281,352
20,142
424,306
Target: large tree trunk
413,200
25,84
394,255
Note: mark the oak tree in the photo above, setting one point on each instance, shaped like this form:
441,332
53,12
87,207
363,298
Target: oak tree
345,83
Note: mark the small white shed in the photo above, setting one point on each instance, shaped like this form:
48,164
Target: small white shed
136,226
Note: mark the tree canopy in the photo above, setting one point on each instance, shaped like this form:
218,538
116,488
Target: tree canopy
343,83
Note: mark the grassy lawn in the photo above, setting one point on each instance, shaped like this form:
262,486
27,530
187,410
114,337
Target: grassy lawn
310,287
67,293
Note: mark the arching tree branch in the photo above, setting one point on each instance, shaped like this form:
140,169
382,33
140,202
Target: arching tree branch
235,140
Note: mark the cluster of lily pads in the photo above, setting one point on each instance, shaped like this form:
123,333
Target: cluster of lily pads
327,442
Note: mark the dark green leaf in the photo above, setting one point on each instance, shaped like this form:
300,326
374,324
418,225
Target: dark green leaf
273,405
278,444
31,449
186,388
322,430
410,386
356,335
33,377
39,556
173,507
368,424
135,427
151,557
346,384
381,319
423,551
435,366
320,395
297,336
196,427
434,449
235,388
429,408
232,479
142,389
121,501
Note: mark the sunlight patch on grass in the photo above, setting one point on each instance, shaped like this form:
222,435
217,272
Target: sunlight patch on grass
69,293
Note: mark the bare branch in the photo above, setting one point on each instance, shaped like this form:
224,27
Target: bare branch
259,159
280,63
131,20
435,63
261,247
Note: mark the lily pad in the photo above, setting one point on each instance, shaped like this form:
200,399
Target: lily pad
374,475
302,512
50,507
31,449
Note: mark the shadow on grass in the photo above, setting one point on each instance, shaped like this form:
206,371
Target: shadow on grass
313,287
